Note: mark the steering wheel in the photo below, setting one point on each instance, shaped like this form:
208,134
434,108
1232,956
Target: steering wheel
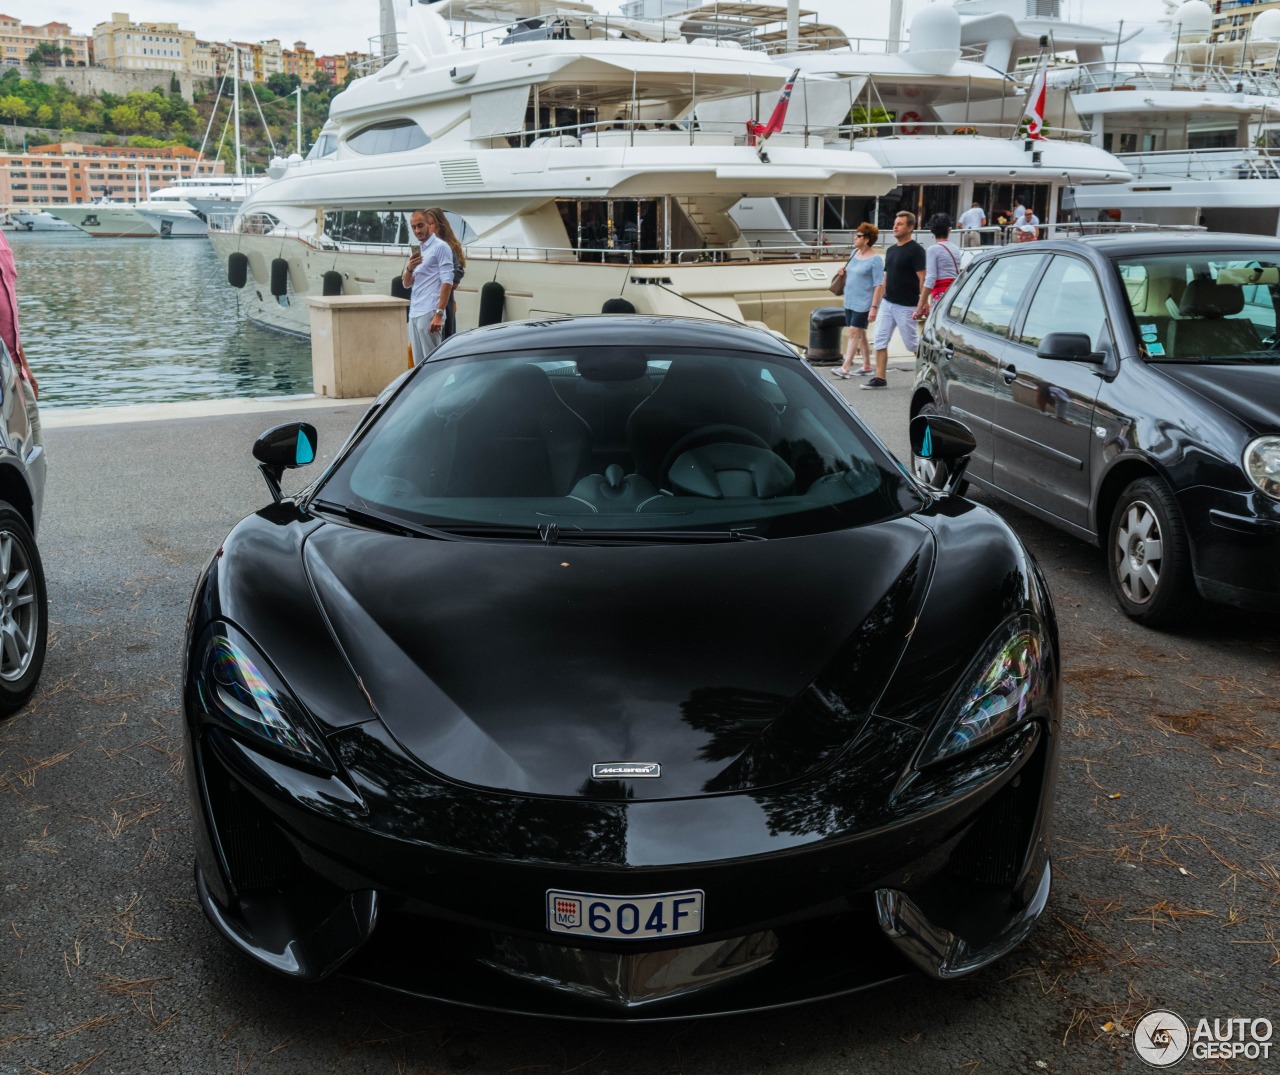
717,434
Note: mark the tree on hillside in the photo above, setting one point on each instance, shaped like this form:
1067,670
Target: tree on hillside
94,115
45,54
125,118
14,108
70,116
282,85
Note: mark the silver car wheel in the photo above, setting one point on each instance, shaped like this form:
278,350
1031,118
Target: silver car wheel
1139,552
19,610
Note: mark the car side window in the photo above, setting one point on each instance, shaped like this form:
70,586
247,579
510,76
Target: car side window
962,292
996,299
1067,299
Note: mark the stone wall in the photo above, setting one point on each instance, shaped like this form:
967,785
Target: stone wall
94,81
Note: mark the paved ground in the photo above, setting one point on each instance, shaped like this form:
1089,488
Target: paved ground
1167,872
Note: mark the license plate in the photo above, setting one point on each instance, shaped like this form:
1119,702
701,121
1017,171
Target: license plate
625,918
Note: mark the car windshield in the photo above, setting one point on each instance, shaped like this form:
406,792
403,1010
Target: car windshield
618,442
1204,307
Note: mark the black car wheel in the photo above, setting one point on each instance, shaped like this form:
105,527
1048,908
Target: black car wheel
933,472
1150,560
24,607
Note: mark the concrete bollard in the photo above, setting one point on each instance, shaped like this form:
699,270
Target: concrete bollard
358,343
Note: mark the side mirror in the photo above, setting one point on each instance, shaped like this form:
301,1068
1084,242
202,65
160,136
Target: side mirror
1068,347
943,446
282,448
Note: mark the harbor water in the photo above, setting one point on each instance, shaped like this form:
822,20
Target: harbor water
112,322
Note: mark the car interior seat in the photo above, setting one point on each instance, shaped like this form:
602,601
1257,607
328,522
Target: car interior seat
1206,325
518,439
695,394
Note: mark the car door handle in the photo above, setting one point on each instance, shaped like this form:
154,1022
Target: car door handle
1010,374
948,350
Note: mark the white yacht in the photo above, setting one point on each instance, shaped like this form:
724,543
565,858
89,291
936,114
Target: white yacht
105,219
37,219
946,122
1197,131
567,146
173,211
182,211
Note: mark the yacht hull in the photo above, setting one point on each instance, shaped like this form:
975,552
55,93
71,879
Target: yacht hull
781,294
106,221
178,224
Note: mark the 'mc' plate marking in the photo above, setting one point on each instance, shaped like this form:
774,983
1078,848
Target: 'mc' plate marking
625,918
625,770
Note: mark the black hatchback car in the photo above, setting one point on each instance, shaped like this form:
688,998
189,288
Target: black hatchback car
1127,389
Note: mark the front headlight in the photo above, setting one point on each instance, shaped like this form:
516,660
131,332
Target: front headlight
1008,680
1262,465
248,698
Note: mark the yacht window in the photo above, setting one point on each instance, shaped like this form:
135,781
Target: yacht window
375,226
325,146
383,227
394,136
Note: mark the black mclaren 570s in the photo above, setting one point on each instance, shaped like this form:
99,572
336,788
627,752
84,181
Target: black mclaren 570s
615,670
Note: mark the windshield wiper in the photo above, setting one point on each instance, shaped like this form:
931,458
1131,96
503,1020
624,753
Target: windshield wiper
377,521
653,537
547,533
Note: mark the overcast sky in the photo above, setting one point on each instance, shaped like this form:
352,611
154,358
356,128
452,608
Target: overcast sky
330,26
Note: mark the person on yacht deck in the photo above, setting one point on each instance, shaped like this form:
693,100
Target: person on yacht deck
970,221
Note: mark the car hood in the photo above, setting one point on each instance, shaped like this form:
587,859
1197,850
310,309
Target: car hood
1250,393
519,666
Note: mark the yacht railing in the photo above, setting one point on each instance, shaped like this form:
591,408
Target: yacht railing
719,132
1221,163
1138,75
920,128
814,246
383,48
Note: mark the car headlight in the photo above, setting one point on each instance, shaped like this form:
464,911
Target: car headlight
246,696
1006,681
1262,464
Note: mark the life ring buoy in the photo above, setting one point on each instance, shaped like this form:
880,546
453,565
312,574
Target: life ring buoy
910,123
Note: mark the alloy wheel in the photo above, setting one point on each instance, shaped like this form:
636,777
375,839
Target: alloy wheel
19,609
1139,552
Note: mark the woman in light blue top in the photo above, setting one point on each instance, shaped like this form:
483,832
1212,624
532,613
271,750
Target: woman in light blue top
863,288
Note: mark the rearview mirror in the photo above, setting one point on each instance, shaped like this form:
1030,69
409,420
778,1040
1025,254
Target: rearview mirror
1068,347
940,440
282,448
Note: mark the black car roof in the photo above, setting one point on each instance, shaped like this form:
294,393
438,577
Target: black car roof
631,330
1160,242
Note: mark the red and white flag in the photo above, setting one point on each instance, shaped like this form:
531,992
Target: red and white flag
1034,114
762,131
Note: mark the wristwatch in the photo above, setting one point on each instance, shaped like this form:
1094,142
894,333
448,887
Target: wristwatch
437,313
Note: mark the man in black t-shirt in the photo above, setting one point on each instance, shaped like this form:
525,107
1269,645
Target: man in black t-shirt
904,296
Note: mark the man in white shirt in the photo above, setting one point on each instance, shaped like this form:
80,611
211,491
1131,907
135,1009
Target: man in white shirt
429,274
969,222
